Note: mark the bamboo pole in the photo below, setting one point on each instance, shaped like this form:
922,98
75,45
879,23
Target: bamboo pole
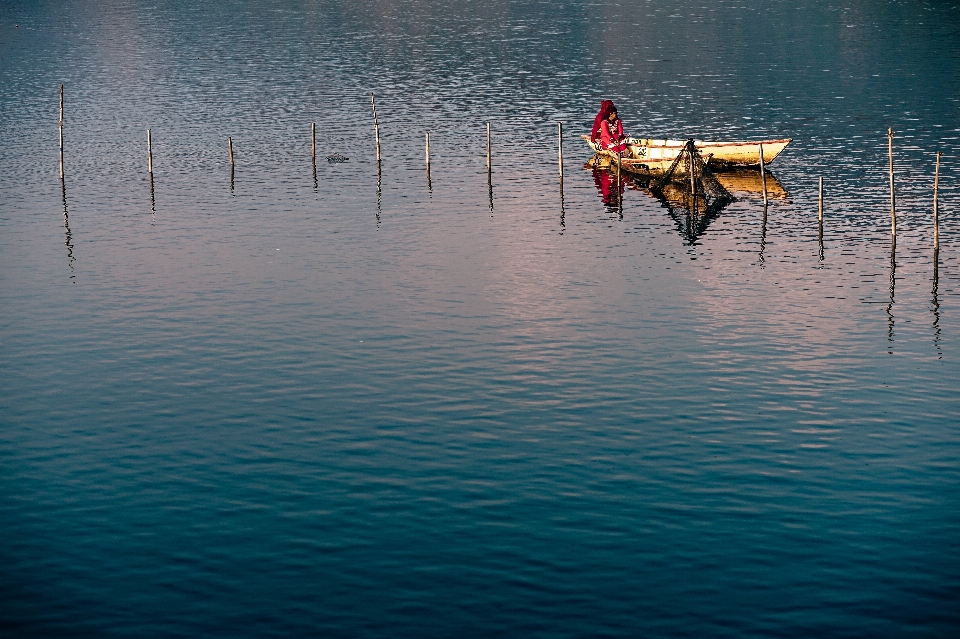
489,171
230,148
376,124
560,148
693,178
820,202
313,154
61,131
820,217
893,197
149,153
429,182
763,176
936,208
489,166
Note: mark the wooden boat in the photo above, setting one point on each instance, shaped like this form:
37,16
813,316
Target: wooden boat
653,157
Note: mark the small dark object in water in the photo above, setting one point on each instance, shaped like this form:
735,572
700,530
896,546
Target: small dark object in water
336,158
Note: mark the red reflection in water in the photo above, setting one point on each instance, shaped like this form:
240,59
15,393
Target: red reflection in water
610,188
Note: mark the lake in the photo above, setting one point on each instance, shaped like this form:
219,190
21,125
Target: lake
291,398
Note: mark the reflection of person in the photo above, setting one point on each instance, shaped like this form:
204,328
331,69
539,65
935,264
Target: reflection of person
610,193
608,129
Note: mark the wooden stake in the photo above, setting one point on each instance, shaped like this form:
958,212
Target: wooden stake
376,124
893,198
428,149
61,131
820,217
313,141
149,153
763,176
560,147
936,210
230,149
489,166
693,177
820,201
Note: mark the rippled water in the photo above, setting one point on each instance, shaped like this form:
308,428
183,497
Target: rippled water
269,403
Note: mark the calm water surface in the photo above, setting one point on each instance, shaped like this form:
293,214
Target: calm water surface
291,402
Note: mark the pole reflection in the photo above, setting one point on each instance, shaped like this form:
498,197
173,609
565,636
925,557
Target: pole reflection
563,213
153,200
490,188
379,193
66,227
935,307
763,236
893,285
820,241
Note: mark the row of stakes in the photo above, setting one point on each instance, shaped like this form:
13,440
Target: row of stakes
376,129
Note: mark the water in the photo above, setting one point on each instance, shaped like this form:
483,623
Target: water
281,406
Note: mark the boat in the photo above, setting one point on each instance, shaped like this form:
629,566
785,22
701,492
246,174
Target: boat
654,156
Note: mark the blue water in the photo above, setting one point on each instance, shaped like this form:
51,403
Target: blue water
271,404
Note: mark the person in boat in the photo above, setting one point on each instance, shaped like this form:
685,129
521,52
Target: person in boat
607,130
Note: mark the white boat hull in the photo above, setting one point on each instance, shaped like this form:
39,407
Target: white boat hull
657,155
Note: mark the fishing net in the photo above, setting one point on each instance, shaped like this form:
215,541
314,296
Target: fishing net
691,192
691,171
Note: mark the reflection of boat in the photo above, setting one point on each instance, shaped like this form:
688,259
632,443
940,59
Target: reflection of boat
745,181
692,215
655,156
